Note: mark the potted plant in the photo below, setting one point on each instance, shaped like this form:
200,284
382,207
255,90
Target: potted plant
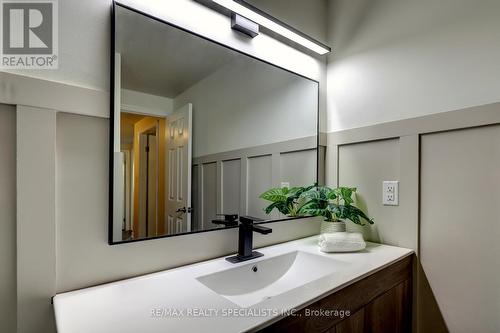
335,205
287,201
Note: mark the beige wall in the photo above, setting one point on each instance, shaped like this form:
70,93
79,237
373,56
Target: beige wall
266,92
7,218
398,59
303,13
83,45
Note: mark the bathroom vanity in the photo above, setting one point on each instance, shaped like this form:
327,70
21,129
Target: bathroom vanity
380,302
289,289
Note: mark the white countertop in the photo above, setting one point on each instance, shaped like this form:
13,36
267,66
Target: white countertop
175,301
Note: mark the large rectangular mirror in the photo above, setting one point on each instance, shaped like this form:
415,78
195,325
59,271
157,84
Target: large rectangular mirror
199,130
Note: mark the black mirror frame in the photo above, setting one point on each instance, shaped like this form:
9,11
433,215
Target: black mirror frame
319,169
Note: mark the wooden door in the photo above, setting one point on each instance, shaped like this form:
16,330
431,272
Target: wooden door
354,324
179,150
390,312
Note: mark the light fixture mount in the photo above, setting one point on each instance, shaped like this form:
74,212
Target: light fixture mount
244,25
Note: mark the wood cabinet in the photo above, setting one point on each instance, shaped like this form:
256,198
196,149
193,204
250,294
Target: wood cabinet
379,303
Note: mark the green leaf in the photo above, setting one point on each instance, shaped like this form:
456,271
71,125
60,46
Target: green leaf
274,194
314,211
309,205
295,190
355,215
346,195
270,208
330,195
325,193
280,206
312,194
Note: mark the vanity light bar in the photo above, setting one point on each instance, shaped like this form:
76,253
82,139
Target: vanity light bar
271,25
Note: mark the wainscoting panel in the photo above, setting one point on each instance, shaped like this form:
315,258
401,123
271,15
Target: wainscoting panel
259,180
209,193
196,197
238,178
298,168
460,225
448,166
231,186
365,166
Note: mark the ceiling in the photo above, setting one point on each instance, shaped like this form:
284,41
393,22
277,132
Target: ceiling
159,59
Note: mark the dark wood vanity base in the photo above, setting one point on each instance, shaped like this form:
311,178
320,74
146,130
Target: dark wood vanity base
379,303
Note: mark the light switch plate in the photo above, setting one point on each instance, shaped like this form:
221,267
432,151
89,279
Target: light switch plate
390,193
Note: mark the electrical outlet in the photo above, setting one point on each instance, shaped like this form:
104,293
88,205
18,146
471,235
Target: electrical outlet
285,184
390,193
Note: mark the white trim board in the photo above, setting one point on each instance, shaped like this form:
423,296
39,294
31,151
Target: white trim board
143,103
18,89
475,116
138,109
36,218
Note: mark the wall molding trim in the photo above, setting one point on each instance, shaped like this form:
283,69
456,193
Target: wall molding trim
305,143
139,109
323,138
18,89
476,116
36,218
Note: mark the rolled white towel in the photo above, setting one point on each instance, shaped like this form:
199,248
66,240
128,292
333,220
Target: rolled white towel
341,242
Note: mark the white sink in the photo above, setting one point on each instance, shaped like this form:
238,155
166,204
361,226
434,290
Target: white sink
253,283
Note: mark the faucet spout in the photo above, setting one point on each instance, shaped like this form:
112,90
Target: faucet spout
262,230
245,239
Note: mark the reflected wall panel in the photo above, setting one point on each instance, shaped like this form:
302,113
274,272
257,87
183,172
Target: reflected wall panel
298,167
259,180
209,194
231,186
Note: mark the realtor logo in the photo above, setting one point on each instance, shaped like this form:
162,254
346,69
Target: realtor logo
29,34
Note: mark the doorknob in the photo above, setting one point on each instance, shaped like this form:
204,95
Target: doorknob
181,210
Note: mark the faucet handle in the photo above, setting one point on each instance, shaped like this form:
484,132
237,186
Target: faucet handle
249,220
229,217
228,220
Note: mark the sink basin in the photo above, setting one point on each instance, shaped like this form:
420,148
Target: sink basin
253,283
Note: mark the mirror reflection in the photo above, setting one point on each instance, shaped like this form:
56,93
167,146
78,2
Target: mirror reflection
201,131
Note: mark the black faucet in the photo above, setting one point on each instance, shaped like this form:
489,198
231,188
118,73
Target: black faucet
227,220
245,239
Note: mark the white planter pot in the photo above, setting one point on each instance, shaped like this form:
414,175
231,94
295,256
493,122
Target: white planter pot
331,227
